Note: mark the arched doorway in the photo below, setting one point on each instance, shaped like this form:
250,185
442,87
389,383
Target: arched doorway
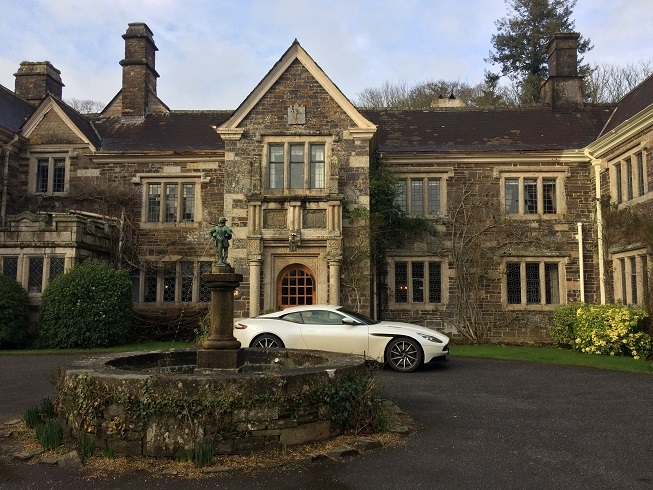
295,286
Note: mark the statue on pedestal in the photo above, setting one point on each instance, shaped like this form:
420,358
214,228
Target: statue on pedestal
221,233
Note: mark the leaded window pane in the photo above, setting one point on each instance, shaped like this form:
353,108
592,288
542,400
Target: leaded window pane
417,276
530,196
629,178
512,196
59,175
552,284
169,283
317,167
187,276
150,287
42,175
204,291
153,203
10,267
171,203
296,166
633,280
617,176
56,267
188,203
640,174
275,153
513,278
417,197
549,195
401,282
434,196
35,276
624,296
533,283
435,282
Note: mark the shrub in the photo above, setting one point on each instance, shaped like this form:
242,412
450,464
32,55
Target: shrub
50,435
612,329
564,319
88,306
14,310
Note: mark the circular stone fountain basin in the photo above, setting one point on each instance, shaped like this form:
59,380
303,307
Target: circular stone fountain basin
158,403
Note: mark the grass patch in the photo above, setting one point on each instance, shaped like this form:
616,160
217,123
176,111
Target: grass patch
552,355
143,346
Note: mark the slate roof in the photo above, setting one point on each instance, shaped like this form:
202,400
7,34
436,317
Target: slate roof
176,131
633,102
14,111
465,130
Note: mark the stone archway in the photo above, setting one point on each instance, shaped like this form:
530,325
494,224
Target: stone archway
295,286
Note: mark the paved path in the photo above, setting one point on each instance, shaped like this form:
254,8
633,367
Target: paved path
481,424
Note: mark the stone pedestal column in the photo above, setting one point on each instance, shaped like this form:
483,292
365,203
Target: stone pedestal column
221,350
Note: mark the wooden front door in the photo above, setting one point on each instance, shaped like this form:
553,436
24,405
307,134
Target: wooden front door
295,286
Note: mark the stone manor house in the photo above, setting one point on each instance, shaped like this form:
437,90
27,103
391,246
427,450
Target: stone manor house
515,198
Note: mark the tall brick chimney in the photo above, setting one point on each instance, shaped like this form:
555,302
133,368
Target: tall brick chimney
138,73
34,80
563,90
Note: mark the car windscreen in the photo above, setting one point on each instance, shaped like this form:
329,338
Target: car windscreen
358,316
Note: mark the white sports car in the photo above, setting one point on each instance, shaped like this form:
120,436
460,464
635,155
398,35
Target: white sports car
403,346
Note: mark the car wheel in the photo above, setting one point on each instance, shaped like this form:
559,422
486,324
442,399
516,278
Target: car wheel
267,341
404,355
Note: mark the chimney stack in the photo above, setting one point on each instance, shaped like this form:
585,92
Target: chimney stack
34,80
563,90
138,73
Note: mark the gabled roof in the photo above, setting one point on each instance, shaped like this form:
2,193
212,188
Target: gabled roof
531,129
73,119
14,111
633,103
174,131
229,129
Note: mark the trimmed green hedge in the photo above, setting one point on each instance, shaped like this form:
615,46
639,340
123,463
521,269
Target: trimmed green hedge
88,306
614,330
14,314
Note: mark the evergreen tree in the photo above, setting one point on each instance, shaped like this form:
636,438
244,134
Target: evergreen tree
521,39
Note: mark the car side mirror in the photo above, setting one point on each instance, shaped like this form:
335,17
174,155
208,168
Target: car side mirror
349,321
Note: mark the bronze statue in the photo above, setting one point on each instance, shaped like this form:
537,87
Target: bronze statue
221,233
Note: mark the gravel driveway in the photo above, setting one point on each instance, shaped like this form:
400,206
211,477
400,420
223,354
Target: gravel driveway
480,424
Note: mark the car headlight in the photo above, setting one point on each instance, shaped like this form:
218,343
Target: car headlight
430,338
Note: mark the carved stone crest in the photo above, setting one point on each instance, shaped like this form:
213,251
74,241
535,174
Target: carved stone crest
296,114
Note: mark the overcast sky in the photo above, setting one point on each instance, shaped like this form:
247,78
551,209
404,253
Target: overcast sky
212,53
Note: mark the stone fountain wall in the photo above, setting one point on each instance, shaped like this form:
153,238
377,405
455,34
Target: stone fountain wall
155,411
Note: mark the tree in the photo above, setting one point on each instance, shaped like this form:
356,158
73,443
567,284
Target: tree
85,106
520,43
607,83
420,96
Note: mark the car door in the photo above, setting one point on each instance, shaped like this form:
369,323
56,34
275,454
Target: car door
325,330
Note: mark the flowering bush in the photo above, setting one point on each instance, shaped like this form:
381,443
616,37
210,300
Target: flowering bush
564,320
612,329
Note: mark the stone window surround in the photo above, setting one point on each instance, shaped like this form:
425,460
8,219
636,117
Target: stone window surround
562,264
51,154
144,179
620,161
622,268
425,305
538,173
326,140
424,176
23,267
